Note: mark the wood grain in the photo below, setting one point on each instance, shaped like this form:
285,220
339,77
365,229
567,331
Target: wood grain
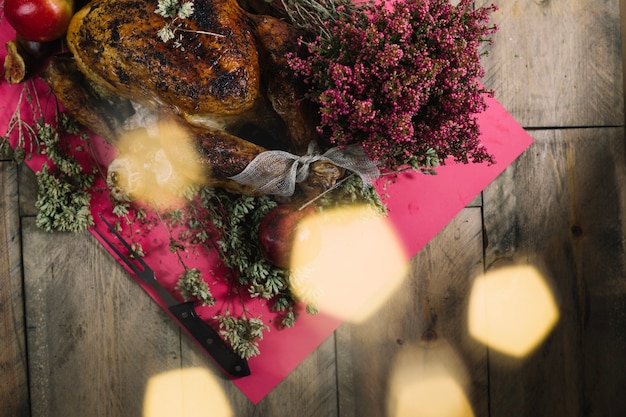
13,354
308,391
428,311
95,338
95,341
560,207
557,63
28,191
622,16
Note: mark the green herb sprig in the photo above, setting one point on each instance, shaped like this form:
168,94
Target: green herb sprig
174,10
243,334
237,219
190,284
63,200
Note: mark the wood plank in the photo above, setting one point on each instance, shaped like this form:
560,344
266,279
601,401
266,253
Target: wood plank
622,15
95,338
309,391
561,207
13,353
28,190
557,63
426,314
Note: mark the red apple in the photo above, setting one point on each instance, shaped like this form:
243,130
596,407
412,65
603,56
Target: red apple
279,229
39,20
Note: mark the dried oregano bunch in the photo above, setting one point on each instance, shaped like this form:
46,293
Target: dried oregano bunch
63,200
243,334
236,218
191,285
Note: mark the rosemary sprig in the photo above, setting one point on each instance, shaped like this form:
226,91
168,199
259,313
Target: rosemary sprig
309,15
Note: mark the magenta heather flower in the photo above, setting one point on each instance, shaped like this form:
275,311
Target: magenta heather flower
401,79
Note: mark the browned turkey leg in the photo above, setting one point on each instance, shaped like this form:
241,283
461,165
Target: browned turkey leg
276,40
102,112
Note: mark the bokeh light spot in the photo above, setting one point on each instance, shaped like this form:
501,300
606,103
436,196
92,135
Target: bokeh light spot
512,310
428,380
435,397
187,392
357,266
154,170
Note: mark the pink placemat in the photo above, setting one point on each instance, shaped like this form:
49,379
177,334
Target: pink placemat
419,207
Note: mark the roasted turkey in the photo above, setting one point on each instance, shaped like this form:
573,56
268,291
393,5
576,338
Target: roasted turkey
224,76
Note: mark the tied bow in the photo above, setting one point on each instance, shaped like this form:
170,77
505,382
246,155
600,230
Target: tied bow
277,172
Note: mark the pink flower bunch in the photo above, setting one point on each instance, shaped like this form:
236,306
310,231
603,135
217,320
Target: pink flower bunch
401,79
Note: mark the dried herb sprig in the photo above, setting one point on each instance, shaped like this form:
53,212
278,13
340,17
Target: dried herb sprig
190,284
352,191
174,10
62,205
63,200
236,218
311,16
26,144
243,334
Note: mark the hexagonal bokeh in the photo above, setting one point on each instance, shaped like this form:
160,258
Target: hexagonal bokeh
512,310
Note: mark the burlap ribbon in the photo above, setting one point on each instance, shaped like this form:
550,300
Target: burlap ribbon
278,172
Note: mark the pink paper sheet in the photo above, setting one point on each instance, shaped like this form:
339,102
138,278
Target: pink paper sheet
416,216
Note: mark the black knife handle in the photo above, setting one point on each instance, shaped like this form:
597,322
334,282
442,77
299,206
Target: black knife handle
210,340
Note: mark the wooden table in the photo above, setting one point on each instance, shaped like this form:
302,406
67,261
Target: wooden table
79,338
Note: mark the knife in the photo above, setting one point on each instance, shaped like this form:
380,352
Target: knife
185,313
